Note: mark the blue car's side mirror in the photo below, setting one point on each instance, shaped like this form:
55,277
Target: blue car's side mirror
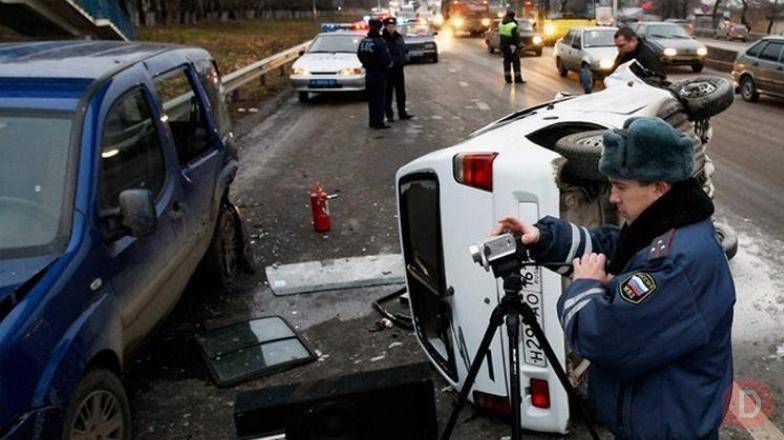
135,216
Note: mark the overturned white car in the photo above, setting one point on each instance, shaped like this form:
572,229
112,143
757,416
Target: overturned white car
535,162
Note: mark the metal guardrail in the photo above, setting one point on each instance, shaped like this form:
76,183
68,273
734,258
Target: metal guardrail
234,80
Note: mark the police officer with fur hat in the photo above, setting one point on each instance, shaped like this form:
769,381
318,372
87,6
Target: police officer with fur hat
374,55
651,303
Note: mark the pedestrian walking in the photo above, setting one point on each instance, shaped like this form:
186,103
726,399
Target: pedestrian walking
655,319
510,47
396,79
373,52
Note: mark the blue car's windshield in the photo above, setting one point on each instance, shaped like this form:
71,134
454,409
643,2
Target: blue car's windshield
33,168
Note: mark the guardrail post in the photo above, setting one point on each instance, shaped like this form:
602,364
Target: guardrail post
282,71
235,95
263,80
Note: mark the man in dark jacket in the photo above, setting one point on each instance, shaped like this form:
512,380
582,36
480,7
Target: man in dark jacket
374,55
631,47
510,47
396,80
655,320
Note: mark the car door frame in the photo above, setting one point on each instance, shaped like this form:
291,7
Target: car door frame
565,46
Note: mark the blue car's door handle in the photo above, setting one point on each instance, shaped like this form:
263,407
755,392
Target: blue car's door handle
177,211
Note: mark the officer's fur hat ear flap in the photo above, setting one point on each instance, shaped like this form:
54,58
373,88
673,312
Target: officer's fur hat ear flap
647,149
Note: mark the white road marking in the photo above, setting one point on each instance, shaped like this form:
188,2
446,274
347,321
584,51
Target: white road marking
482,106
436,117
463,84
452,71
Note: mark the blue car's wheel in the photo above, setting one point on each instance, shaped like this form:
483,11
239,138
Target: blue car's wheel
222,263
98,409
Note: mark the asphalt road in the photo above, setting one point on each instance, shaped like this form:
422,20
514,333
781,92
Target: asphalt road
288,146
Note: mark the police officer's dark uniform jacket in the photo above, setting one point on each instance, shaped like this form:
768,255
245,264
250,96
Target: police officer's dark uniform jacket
658,335
396,80
645,54
374,54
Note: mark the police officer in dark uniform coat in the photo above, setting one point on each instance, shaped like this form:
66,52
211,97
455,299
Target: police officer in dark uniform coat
655,320
631,47
510,47
374,55
396,80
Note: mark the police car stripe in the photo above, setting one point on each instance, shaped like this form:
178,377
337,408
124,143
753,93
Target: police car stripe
588,241
572,250
574,311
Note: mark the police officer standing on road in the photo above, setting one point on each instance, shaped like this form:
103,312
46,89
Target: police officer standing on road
396,80
374,55
510,47
631,47
655,319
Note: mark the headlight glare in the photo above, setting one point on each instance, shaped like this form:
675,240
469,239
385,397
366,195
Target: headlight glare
549,29
702,51
485,22
606,63
537,39
299,71
670,52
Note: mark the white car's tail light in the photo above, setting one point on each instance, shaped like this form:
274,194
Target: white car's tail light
540,393
475,169
499,405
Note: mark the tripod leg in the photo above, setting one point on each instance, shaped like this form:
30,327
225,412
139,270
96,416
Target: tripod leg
529,318
513,331
496,318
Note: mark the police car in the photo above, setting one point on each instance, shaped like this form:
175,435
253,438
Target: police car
330,63
420,41
536,162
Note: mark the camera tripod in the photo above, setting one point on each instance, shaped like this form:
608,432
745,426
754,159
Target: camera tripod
511,309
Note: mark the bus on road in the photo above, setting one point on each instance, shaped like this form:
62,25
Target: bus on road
555,17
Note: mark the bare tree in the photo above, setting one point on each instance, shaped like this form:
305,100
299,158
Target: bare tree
773,15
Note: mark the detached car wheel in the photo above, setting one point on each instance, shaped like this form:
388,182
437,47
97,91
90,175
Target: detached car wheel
98,409
222,263
704,96
582,152
697,68
748,89
728,239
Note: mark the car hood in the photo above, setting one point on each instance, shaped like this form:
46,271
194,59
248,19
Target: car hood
16,271
327,62
601,53
677,43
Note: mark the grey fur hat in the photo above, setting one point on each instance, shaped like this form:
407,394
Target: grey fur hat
647,149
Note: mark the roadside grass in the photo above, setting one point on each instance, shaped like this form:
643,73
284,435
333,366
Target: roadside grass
236,44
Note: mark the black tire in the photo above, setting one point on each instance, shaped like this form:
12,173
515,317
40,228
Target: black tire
704,96
728,239
222,262
748,89
582,152
538,51
562,71
490,48
697,68
304,97
104,386
434,59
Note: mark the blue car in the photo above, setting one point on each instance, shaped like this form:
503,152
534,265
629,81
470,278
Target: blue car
116,161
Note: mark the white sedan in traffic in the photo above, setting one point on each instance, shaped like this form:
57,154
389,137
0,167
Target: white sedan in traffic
329,65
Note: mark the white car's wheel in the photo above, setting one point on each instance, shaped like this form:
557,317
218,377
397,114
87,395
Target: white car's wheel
582,152
704,96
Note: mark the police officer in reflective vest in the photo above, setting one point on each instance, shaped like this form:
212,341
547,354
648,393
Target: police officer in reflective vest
374,55
510,47
654,319
396,79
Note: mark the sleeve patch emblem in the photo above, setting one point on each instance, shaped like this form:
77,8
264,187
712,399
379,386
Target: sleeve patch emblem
637,288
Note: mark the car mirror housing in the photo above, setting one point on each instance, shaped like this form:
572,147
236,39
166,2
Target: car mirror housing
135,215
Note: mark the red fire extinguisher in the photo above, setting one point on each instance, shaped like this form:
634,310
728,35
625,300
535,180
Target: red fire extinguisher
320,207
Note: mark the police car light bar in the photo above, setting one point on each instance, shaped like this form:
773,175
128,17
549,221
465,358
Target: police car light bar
334,27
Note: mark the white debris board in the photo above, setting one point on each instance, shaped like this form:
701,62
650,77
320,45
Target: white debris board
341,273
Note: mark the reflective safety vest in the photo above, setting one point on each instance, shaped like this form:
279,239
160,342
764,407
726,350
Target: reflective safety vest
505,29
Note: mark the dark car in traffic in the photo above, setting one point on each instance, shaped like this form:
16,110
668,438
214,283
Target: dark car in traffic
421,42
759,70
532,42
117,161
674,44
